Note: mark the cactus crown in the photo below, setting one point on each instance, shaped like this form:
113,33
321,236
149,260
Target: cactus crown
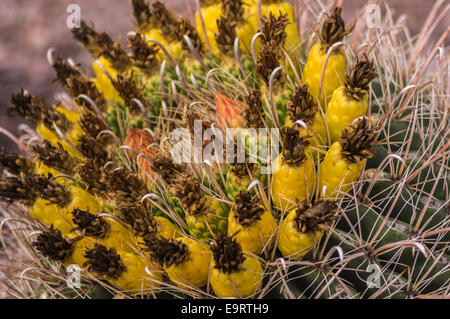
53,245
253,110
397,221
15,188
55,157
357,83
333,29
186,28
105,262
227,253
302,106
142,14
167,252
247,211
15,163
294,145
89,224
274,32
139,218
189,192
143,56
315,218
357,141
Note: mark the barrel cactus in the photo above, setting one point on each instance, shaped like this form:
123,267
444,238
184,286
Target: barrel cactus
372,218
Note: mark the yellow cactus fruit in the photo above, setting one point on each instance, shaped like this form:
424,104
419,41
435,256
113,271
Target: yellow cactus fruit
144,224
293,171
185,260
127,271
303,107
234,272
345,160
44,197
103,230
65,249
303,227
333,31
277,7
351,100
253,227
232,16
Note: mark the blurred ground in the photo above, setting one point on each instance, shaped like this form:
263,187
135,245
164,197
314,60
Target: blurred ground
29,27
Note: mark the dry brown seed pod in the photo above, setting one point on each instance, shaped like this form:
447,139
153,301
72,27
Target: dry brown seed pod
90,224
143,55
247,211
139,217
357,141
129,92
274,32
103,261
294,145
226,36
53,245
253,111
227,253
142,14
333,29
310,218
15,163
357,83
190,194
56,157
302,105
167,252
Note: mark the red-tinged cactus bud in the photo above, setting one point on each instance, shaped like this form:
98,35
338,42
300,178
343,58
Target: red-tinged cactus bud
139,139
145,172
229,112
143,143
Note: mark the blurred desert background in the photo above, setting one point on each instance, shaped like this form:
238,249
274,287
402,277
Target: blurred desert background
29,27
